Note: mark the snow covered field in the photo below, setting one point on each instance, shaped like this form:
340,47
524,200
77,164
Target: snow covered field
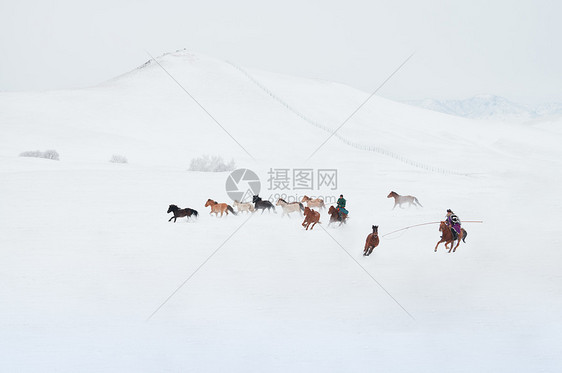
88,254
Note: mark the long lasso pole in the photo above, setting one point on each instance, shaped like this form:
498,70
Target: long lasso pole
432,222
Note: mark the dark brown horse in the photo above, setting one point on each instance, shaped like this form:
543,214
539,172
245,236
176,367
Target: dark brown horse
335,216
180,213
310,217
447,237
372,241
262,205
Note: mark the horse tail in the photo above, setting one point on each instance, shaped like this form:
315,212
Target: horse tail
231,209
418,202
301,206
195,213
464,234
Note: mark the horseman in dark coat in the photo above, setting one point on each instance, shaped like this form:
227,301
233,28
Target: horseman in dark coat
341,207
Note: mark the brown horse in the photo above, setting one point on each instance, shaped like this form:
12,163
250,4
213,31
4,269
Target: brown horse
318,202
372,241
180,213
310,217
219,207
399,200
335,216
447,237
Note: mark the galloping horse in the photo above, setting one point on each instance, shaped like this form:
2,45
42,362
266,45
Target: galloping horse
219,207
447,237
180,213
246,206
290,207
262,205
318,202
372,241
335,216
310,217
399,200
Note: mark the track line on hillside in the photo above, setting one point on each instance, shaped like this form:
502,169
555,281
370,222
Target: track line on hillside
368,274
201,106
197,270
356,145
359,107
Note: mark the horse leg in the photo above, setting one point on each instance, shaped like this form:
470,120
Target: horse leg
170,219
313,225
437,245
458,242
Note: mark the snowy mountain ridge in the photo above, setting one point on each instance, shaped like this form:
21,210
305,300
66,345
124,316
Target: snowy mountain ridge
490,107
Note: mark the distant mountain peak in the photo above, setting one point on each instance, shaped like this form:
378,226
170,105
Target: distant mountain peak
489,106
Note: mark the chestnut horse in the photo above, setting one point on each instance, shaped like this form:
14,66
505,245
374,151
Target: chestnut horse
372,241
318,202
399,200
447,237
335,216
219,207
180,213
310,217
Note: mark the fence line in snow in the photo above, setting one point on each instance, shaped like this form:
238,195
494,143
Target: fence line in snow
356,145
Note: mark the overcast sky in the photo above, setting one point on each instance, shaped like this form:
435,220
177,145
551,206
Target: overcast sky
462,48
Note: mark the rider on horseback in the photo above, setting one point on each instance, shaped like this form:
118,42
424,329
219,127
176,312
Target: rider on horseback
454,223
341,208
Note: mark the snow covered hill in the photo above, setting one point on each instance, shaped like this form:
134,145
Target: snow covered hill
491,107
88,254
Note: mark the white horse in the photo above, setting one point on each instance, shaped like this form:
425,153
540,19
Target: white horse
290,207
399,200
247,206
318,202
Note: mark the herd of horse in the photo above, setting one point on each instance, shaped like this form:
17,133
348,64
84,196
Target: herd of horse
312,217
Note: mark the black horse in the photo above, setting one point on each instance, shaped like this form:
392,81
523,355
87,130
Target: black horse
262,205
180,213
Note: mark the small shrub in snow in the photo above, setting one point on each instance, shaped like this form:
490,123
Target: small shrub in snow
116,158
211,164
51,154
47,154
